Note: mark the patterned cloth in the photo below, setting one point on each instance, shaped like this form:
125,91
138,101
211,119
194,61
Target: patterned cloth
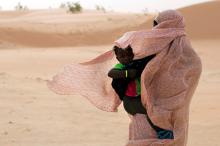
168,81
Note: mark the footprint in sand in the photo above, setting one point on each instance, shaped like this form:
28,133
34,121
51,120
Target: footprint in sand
38,79
10,122
3,74
5,133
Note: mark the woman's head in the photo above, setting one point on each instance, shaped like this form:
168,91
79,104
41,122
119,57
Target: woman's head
124,56
155,23
169,19
168,26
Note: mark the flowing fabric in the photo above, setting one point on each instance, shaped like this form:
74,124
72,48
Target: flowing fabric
167,82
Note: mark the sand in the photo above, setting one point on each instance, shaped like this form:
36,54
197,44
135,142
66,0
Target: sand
32,115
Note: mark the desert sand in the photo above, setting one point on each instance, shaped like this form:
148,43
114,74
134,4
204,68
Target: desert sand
34,45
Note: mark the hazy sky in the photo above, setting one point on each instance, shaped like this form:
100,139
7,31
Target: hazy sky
116,5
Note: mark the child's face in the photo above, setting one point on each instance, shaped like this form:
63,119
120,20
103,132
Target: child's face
124,56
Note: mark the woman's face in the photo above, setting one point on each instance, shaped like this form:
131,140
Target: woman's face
155,23
124,56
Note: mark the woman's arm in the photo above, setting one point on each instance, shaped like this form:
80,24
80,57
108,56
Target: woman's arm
121,74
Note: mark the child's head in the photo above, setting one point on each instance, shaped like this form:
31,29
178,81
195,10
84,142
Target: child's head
124,56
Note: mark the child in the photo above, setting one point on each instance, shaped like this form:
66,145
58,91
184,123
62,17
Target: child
126,79
126,82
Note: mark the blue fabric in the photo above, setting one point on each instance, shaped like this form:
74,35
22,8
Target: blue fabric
161,133
165,134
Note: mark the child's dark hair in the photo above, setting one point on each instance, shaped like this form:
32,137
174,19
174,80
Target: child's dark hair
117,49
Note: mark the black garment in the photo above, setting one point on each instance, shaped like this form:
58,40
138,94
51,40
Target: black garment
161,133
120,85
139,64
133,105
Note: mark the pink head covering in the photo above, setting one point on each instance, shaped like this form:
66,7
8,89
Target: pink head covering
144,43
167,82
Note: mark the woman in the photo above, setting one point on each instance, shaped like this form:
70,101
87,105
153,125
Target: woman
168,81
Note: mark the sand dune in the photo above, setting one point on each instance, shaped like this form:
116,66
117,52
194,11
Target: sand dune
56,28
203,20
46,28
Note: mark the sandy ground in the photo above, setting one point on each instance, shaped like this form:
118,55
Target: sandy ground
56,28
32,115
